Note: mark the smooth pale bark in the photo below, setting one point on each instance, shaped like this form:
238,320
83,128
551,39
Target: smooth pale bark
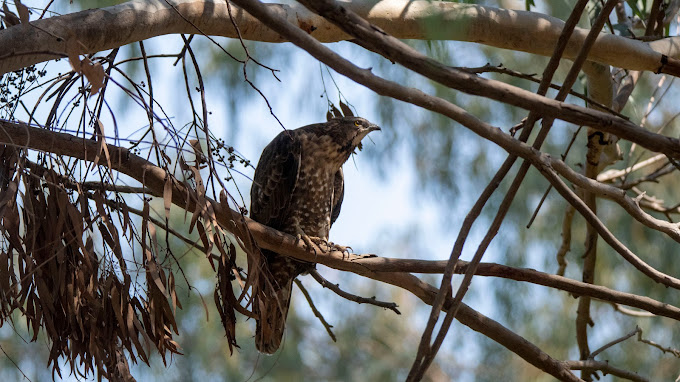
101,29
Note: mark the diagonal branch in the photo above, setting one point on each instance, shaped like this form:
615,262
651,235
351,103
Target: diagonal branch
397,51
316,312
426,359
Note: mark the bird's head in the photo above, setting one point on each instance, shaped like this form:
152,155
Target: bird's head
349,131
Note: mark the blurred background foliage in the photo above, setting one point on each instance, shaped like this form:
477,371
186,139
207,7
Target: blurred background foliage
447,167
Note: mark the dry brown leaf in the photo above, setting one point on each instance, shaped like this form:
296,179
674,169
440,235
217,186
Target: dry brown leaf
154,240
154,271
23,12
198,152
94,72
84,205
126,219
336,113
11,222
10,18
99,203
128,320
204,239
346,110
101,138
73,53
8,195
145,224
167,196
4,274
140,349
106,235
173,294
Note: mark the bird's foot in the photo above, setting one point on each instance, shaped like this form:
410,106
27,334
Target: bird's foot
345,249
311,242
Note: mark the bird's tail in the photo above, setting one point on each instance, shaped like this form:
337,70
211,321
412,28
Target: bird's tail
272,310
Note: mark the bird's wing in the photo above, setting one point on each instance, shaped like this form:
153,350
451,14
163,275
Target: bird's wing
338,194
275,179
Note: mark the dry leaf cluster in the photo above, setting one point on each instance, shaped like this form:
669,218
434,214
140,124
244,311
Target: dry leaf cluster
50,272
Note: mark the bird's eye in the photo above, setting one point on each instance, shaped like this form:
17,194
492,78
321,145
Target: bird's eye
357,123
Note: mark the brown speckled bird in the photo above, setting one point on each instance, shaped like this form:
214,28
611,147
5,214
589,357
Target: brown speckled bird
298,189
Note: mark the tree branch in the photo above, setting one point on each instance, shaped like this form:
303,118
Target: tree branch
316,312
111,27
606,368
378,41
358,299
614,342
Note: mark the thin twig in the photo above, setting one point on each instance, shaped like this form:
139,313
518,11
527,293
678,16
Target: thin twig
614,342
566,239
673,351
14,363
610,175
318,314
665,169
631,312
606,368
358,299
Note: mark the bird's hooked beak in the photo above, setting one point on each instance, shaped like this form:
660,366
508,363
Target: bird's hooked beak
364,132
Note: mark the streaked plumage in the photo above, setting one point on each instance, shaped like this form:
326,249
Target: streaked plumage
298,188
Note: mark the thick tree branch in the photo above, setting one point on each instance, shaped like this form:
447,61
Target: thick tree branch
133,18
111,27
360,263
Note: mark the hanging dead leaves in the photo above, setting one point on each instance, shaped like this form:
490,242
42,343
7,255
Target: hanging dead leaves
51,272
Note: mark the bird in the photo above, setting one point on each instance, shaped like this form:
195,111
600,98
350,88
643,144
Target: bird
298,188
